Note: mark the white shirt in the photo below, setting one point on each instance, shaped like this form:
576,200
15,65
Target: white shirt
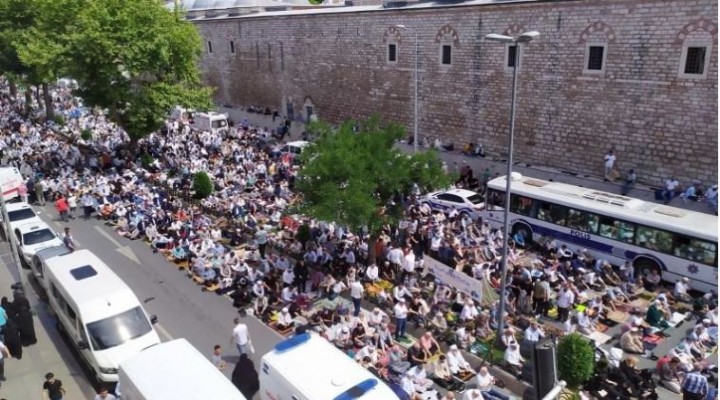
533,335
240,334
513,356
356,290
372,272
456,361
408,262
671,184
484,382
681,288
285,318
401,311
609,160
565,298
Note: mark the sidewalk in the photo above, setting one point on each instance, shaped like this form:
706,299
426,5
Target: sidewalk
51,353
497,165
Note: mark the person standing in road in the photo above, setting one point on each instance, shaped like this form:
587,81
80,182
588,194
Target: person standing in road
630,179
241,337
68,240
52,388
72,202
609,166
104,394
61,205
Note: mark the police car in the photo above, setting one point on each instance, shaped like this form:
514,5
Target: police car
463,200
33,237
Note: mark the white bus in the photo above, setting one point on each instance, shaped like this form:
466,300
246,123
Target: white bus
675,242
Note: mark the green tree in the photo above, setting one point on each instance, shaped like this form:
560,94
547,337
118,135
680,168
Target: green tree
353,177
16,16
136,59
576,359
202,185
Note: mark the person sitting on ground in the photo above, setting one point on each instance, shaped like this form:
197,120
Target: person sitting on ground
428,342
668,369
417,355
370,352
439,323
463,336
485,382
681,290
420,379
655,316
441,371
358,336
514,359
631,341
285,320
585,324
457,363
508,337
652,281
343,340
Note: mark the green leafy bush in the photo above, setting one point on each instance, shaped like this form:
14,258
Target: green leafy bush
86,134
202,185
575,359
146,160
59,120
303,234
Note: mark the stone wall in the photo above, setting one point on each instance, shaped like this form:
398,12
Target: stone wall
658,121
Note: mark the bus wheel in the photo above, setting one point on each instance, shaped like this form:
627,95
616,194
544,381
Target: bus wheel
525,232
645,266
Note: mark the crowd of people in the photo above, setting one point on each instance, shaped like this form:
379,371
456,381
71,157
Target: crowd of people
291,271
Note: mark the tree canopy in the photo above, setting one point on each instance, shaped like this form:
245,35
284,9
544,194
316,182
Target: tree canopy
135,58
355,178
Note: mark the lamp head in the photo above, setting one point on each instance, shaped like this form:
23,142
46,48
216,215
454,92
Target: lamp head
499,38
528,36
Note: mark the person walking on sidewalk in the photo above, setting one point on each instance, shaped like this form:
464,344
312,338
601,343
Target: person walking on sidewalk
52,388
4,353
356,293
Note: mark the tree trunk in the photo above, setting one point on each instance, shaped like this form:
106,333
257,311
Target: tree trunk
13,89
28,100
47,99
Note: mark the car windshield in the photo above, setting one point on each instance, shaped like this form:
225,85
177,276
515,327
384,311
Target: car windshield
19,215
118,329
39,236
475,199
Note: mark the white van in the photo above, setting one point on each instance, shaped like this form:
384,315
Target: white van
211,122
308,367
174,370
182,115
99,313
37,265
10,181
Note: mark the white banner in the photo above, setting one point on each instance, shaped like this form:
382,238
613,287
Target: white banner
456,279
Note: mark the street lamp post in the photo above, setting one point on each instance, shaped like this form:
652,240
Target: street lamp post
517,42
415,87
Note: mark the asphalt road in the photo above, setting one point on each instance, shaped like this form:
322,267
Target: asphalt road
183,310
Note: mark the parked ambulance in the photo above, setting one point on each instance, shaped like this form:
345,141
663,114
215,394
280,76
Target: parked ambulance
211,122
308,367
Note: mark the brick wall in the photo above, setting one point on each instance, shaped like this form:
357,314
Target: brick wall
656,120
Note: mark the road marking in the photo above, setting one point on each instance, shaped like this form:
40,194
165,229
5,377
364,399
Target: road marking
124,250
108,236
127,252
163,332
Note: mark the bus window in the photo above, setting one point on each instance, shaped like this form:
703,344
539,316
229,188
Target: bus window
521,205
654,239
552,213
695,250
582,221
618,230
626,231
